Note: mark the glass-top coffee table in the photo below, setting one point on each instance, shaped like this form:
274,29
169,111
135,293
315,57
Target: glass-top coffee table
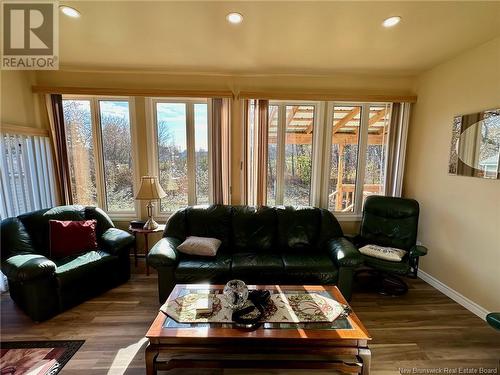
341,345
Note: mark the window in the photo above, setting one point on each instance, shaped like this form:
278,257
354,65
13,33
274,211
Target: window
80,143
272,154
290,153
344,157
201,152
376,150
181,132
117,155
98,136
357,166
327,154
299,128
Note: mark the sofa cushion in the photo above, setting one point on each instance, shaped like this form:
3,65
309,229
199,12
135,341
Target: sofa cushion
253,228
37,224
201,246
310,269
244,263
200,269
71,237
212,221
77,269
313,262
385,253
298,228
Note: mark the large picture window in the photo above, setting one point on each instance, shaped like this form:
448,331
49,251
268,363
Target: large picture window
290,153
181,134
357,139
98,137
326,154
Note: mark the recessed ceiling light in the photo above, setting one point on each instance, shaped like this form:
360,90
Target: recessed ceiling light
70,12
234,18
391,21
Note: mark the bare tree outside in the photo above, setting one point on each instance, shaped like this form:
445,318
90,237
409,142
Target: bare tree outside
79,139
116,152
117,155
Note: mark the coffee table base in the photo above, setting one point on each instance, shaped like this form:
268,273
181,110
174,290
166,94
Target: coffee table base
351,360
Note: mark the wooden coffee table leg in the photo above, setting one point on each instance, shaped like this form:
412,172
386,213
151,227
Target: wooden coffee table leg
366,356
151,355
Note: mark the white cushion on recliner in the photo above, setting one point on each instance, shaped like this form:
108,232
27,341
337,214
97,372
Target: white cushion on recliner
391,254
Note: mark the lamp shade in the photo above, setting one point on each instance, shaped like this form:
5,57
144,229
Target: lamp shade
150,189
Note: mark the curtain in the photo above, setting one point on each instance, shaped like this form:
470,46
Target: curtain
262,145
55,114
27,180
256,137
244,164
396,150
220,151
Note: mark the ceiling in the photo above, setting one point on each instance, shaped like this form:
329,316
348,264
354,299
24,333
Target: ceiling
275,37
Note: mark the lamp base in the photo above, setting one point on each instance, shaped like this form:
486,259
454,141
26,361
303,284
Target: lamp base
151,224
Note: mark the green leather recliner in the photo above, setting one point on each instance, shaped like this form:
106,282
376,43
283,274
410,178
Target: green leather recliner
279,245
391,222
43,287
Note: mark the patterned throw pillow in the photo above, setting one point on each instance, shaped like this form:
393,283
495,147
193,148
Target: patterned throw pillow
202,246
385,253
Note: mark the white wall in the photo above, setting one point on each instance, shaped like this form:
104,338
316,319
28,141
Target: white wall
460,216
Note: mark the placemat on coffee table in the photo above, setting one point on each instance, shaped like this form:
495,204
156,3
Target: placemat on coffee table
282,308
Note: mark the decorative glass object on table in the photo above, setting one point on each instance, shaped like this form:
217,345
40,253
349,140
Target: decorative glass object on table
236,294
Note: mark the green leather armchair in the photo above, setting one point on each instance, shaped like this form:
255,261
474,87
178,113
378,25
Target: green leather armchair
391,222
43,287
260,245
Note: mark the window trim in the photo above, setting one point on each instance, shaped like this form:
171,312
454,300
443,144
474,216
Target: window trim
95,116
152,138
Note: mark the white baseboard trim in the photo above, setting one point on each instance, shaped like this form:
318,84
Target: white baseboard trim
454,295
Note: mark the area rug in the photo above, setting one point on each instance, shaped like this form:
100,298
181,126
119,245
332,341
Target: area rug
36,357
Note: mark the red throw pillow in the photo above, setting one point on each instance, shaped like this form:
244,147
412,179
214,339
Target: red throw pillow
72,237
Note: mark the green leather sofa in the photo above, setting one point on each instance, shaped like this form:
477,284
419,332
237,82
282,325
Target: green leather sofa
285,245
43,287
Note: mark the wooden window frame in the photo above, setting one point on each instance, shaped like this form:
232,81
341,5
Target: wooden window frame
152,136
95,115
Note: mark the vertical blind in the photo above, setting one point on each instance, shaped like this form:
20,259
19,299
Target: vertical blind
27,174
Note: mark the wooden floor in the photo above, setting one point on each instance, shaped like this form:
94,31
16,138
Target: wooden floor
423,329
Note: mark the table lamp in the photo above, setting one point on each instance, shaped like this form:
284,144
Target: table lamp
150,190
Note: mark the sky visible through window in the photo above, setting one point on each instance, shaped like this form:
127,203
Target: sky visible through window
115,108
174,115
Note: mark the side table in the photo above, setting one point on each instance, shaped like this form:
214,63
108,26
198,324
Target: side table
146,233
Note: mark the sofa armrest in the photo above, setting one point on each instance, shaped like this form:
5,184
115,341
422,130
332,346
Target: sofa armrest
28,267
164,253
344,253
115,240
418,251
